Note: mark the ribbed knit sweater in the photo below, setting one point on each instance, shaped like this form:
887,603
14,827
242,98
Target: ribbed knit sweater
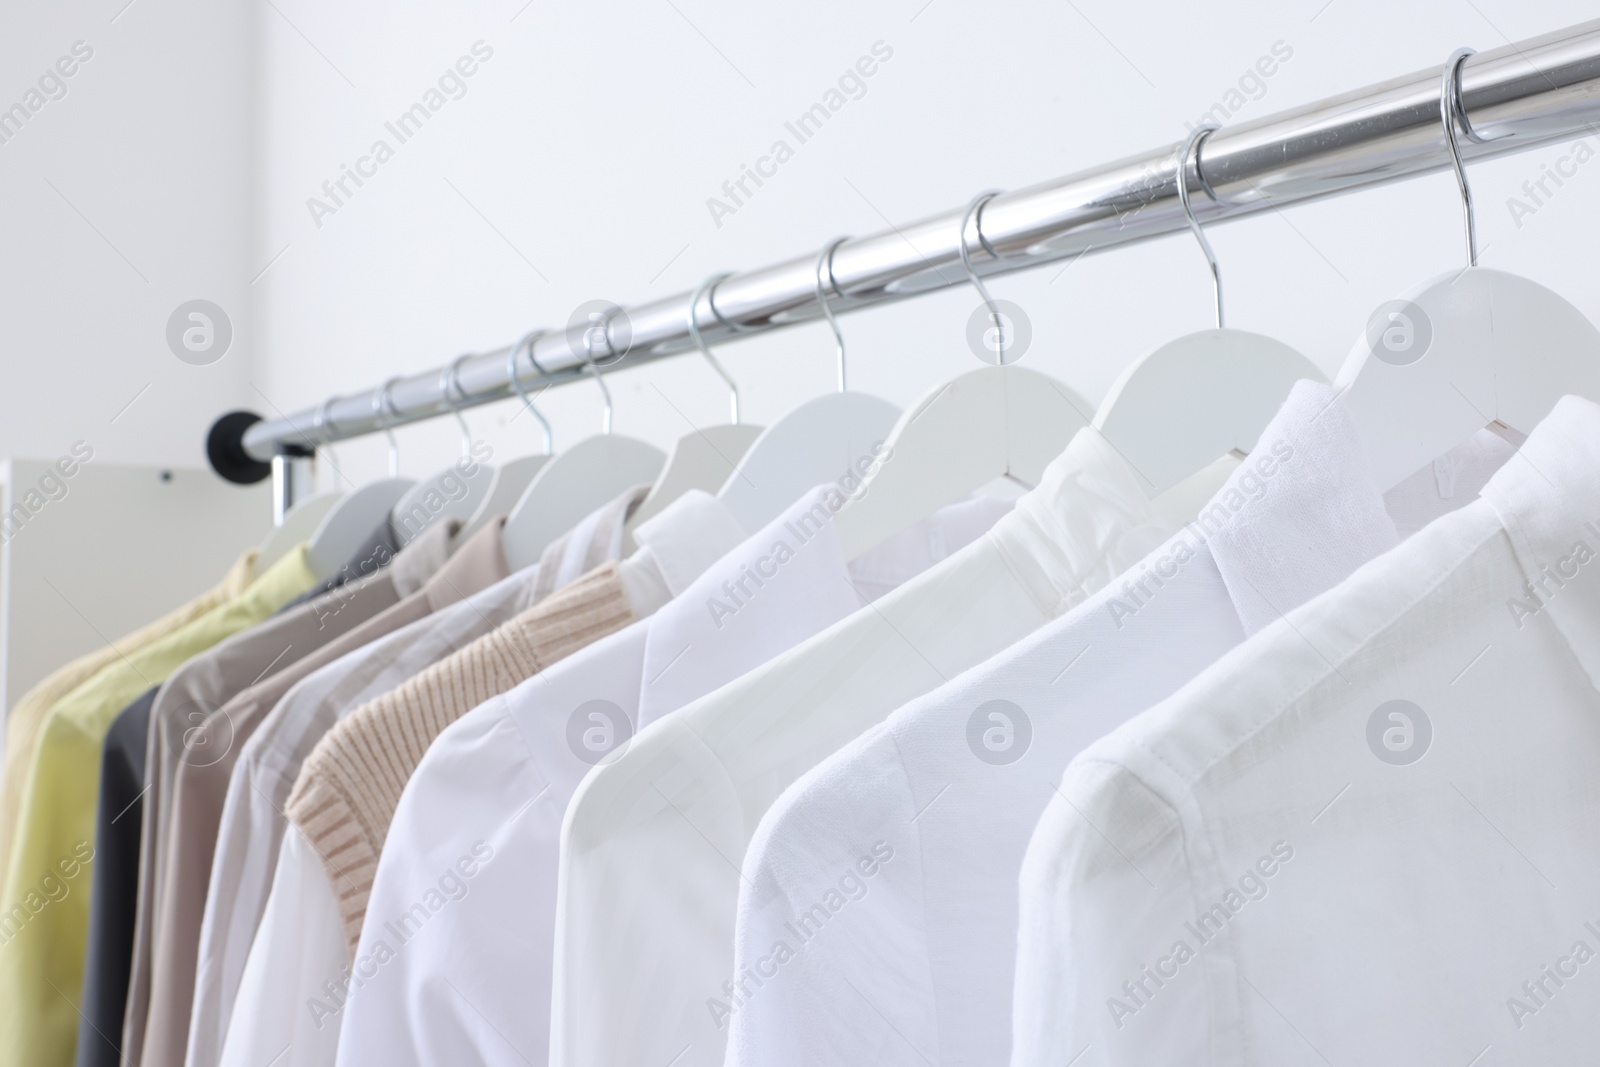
349,786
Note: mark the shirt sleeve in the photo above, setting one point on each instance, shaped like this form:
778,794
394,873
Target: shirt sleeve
294,984
633,862
830,965
456,889
1112,951
247,845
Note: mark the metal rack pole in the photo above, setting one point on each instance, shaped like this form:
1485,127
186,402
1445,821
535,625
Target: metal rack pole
1516,97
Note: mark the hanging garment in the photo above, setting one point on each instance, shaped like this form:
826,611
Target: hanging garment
362,666
115,880
506,770
877,912
25,718
368,662
347,790
171,721
369,557
1361,836
346,793
652,842
181,857
41,967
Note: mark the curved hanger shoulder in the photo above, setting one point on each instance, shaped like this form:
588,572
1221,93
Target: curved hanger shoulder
510,480
817,442
570,486
703,460
449,494
1197,398
301,522
994,422
1456,353
355,516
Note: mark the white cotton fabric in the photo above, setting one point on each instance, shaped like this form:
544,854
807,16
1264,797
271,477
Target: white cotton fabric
1252,873
676,545
267,1028
473,985
877,916
652,843
286,970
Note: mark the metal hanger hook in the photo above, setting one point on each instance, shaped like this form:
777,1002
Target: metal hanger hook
594,368
383,404
516,383
708,289
450,382
323,421
975,209
825,263
1452,112
1191,149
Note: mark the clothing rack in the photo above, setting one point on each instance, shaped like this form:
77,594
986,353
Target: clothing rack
1515,97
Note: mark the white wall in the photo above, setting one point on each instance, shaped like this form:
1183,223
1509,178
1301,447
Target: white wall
578,164
124,198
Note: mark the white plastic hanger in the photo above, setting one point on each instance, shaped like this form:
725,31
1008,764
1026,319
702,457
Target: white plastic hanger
359,512
996,422
512,478
818,442
1203,395
1463,350
578,481
301,522
453,493
707,457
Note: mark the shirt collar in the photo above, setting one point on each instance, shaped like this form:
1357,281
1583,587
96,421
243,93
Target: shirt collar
1089,519
596,538
676,546
412,567
1299,515
1547,498
476,565
790,574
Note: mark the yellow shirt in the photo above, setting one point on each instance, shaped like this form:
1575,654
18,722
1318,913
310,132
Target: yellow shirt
26,718
44,910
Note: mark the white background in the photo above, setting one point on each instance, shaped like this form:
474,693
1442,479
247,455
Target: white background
578,165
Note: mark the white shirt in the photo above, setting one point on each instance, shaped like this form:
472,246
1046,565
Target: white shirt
503,774
652,844
1287,869
298,955
913,963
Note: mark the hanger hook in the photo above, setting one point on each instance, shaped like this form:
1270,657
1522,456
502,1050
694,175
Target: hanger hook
383,404
323,420
825,262
450,382
1452,112
594,368
708,288
975,210
516,383
1191,148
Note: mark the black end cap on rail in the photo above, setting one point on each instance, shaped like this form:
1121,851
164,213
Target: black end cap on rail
225,449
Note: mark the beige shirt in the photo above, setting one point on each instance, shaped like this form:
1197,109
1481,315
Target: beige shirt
196,756
339,609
